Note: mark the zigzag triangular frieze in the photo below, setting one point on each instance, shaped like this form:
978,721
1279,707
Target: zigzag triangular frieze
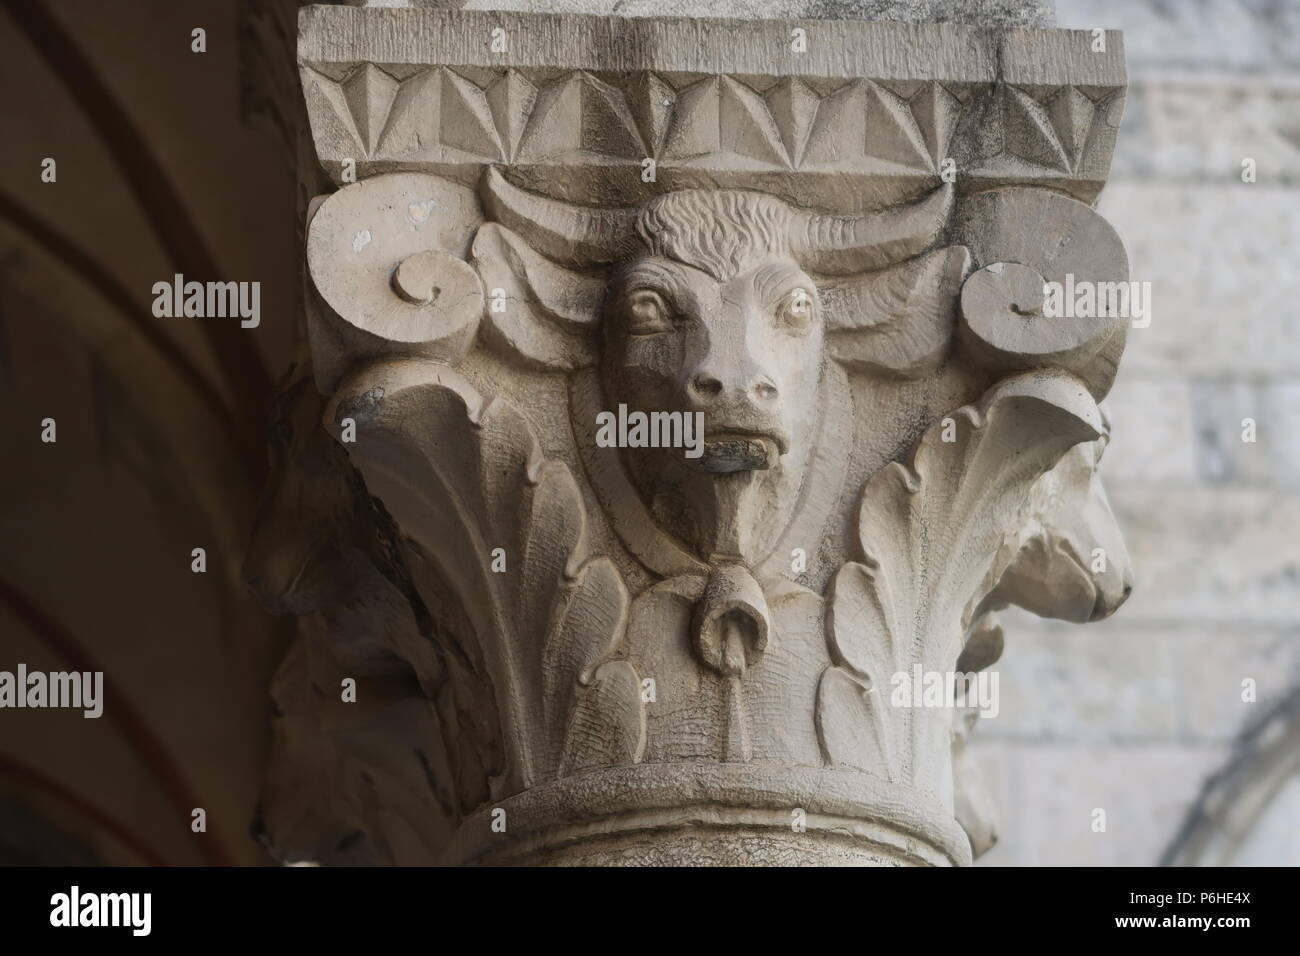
650,100
1072,115
580,114
324,98
720,116
1028,131
369,93
511,98
891,131
413,119
793,107
466,118
936,111
694,131
746,125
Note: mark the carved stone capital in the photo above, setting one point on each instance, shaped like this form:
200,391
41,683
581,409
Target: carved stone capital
818,276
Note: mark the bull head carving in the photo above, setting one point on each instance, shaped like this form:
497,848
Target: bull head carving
721,302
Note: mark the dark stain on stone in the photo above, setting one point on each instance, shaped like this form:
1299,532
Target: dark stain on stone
360,408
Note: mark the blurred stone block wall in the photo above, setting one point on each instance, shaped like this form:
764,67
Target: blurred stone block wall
1134,714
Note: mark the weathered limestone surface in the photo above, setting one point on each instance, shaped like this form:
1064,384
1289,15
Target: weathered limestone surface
566,652
1025,13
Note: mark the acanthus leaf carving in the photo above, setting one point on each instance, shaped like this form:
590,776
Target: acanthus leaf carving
589,622
929,529
464,476
608,726
852,724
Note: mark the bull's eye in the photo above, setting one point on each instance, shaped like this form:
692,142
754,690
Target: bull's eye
647,313
796,310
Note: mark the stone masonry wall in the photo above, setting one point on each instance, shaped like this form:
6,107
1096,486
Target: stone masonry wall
1133,714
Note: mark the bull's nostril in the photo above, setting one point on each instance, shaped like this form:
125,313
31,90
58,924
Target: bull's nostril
707,386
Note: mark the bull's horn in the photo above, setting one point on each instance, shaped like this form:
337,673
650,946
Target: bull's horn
573,235
846,244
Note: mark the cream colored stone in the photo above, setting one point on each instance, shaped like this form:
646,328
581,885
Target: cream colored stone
609,647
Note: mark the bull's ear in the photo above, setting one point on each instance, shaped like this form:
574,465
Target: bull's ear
540,313
898,321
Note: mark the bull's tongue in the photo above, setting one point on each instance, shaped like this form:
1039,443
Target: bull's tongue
730,453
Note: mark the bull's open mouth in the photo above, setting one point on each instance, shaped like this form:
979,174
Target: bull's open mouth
732,450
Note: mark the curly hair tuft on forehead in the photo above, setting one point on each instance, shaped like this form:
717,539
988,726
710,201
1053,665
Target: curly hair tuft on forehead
721,232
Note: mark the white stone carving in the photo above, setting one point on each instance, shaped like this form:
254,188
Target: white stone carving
639,654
